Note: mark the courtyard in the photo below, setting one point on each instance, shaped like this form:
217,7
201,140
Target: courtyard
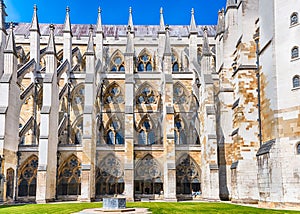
154,207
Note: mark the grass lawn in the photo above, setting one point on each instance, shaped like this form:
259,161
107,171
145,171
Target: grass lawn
155,207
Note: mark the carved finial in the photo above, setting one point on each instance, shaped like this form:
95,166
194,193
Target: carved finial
130,22
161,21
11,26
51,43
90,46
11,45
99,10
35,22
99,21
67,25
35,7
193,28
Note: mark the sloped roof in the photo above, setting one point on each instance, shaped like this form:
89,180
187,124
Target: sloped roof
79,30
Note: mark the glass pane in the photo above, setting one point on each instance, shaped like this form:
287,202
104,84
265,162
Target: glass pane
119,138
178,125
32,187
122,68
148,67
114,68
151,99
23,188
118,61
151,138
175,67
298,148
296,82
142,138
110,137
145,58
115,90
295,52
146,124
141,99
115,125
141,67
146,91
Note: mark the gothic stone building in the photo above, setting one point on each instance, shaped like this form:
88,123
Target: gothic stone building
90,111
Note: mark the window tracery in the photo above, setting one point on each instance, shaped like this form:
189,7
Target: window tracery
148,179
296,81
179,131
144,62
114,132
295,52
27,178
78,96
69,177
294,18
110,177
180,96
146,135
146,95
113,95
188,176
117,62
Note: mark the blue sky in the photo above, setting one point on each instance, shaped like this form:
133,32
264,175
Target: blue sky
176,12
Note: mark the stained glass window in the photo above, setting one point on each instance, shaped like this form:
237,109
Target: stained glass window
117,63
296,81
113,95
144,63
294,18
295,52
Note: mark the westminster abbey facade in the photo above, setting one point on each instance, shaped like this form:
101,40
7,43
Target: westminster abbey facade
158,112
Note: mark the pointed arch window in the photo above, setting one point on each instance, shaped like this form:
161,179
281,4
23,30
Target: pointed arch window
180,96
114,132
77,131
298,149
113,95
110,176
148,176
179,131
69,177
188,176
78,98
27,178
146,95
296,81
146,134
144,62
294,18
295,52
117,62
10,176
175,62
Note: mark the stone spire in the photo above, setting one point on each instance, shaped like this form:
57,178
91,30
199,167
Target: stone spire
67,25
161,22
90,45
11,45
99,22
35,21
130,22
51,43
193,28
129,45
167,50
2,16
221,23
205,46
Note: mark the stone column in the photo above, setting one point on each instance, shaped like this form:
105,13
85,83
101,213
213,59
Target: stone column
168,126
46,175
89,126
9,111
129,117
